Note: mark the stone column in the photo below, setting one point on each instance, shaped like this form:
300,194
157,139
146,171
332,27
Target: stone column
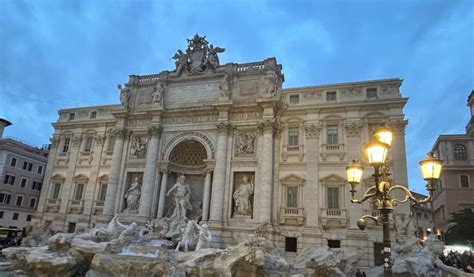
161,202
146,194
265,191
311,191
207,194
353,149
217,203
111,194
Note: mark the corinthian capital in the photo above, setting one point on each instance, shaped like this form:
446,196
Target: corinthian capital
398,125
266,125
353,128
155,131
312,130
122,133
224,127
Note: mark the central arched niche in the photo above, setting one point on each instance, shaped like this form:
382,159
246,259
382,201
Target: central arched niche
187,158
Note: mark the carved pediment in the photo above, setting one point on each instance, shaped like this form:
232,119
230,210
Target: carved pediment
80,178
333,179
58,178
103,178
293,179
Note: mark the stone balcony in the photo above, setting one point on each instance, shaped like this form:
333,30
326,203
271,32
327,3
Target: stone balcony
53,205
76,206
291,216
333,150
98,207
334,218
293,150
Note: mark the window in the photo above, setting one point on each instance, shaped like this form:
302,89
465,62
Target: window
28,217
55,191
111,144
331,96
333,197
37,186
293,136
9,179
334,243
71,116
78,191
5,197
459,152
93,114
71,227
88,144
292,197
19,200
15,216
1,214
371,93
464,181
27,166
294,99
23,182
40,169
66,143
291,244
32,202
332,134
13,162
102,192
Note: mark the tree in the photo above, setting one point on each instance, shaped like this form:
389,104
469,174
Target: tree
460,228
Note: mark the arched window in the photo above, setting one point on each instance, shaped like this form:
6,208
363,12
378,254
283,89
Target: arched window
459,152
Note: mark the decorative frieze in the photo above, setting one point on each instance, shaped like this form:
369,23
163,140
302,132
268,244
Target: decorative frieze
189,120
100,139
351,91
76,140
245,116
121,133
138,122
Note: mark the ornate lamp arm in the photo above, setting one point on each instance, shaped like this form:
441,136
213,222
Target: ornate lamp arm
374,218
368,194
408,195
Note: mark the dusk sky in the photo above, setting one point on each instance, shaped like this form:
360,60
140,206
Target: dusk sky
59,54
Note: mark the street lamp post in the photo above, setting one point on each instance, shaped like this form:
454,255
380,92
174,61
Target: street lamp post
381,193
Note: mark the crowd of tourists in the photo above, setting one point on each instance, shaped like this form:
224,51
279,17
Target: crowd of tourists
464,261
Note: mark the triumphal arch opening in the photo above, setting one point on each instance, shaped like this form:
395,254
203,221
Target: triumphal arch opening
227,145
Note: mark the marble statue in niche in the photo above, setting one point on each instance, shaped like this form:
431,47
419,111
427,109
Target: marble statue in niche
138,147
181,204
133,196
157,96
246,144
224,87
204,238
243,196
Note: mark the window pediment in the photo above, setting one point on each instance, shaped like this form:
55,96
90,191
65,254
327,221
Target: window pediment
58,178
333,179
81,178
293,179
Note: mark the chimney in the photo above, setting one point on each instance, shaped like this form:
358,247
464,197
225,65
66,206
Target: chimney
3,123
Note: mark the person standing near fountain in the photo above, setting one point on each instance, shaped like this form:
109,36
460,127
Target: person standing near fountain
180,199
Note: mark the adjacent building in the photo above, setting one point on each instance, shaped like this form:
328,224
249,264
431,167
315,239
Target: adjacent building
22,169
454,191
252,154
422,216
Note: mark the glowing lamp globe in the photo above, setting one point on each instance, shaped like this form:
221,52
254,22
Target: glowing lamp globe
354,172
431,167
377,152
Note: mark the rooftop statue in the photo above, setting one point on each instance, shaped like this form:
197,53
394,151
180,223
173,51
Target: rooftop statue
198,57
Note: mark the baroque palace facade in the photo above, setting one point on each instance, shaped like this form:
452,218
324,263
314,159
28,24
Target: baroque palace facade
249,153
